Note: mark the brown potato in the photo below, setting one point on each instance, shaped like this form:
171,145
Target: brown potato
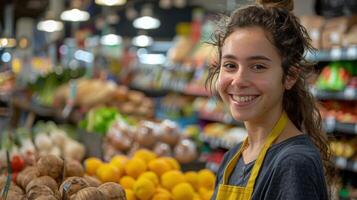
72,185
93,182
73,168
26,176
50,165
39,190
112,191
43,180
89,193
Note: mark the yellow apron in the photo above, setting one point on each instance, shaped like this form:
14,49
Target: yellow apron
230,192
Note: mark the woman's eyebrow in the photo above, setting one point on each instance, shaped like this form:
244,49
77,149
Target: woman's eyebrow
255,57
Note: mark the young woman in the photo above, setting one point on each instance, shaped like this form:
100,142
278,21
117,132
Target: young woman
260,74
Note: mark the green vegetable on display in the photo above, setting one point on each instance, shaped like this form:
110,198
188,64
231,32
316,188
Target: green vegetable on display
333,77
99,120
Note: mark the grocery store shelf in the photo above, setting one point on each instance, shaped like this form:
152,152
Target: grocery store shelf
349,93
217,142
348,53
218,117
196,91
345,164
150,92
33,107
5,97
332,125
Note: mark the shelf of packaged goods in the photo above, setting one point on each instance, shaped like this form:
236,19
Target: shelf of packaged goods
196,90
5,97
332,125
150,92
345,164
218,117
217,142
33,107
334,54
350,93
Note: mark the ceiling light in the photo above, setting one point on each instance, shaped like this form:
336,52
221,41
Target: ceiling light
110,2
50,25
110,40
7,42
75,15
142,41
146,22
6,57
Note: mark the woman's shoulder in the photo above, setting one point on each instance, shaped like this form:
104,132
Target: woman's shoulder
297,151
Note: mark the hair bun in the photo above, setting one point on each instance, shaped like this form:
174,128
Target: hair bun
285,4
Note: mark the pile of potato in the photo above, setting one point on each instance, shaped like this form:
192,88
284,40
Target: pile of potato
55,179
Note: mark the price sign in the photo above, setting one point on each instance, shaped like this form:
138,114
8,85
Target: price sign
336,53
330,123
354,167
352,52
349,93
341,162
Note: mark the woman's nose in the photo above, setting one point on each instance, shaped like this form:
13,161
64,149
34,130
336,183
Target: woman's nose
240,78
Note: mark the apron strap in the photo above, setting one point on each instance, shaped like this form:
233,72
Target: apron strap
274,134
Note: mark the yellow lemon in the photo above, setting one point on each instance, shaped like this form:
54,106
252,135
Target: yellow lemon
119,160
172,162
196,197
91,165
120,169
162,196
144,188
145,154
172,178
161,190
129,194
206,178
127,182
135,167
108,173
192,178
151,176
183,191
205,194
159,166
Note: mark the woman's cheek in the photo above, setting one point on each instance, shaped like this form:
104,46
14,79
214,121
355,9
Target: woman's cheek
221,86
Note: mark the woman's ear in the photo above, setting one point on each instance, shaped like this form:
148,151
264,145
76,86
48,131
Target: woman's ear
291,78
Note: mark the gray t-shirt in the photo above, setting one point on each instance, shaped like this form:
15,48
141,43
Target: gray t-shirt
292,170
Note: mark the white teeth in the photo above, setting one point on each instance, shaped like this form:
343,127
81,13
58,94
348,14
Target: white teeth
242,99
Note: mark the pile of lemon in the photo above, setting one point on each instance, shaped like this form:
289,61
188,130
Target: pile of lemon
146,176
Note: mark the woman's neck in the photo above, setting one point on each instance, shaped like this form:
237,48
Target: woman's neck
259,132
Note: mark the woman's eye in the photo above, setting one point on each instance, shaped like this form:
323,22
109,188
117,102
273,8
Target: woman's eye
229,66
258,67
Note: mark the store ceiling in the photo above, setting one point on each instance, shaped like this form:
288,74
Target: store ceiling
37,8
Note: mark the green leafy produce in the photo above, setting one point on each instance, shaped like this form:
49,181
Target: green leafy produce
99,120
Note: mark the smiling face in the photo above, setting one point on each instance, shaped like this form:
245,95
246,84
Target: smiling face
250,77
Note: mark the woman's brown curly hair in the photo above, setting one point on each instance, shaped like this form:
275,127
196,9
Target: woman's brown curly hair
291,39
